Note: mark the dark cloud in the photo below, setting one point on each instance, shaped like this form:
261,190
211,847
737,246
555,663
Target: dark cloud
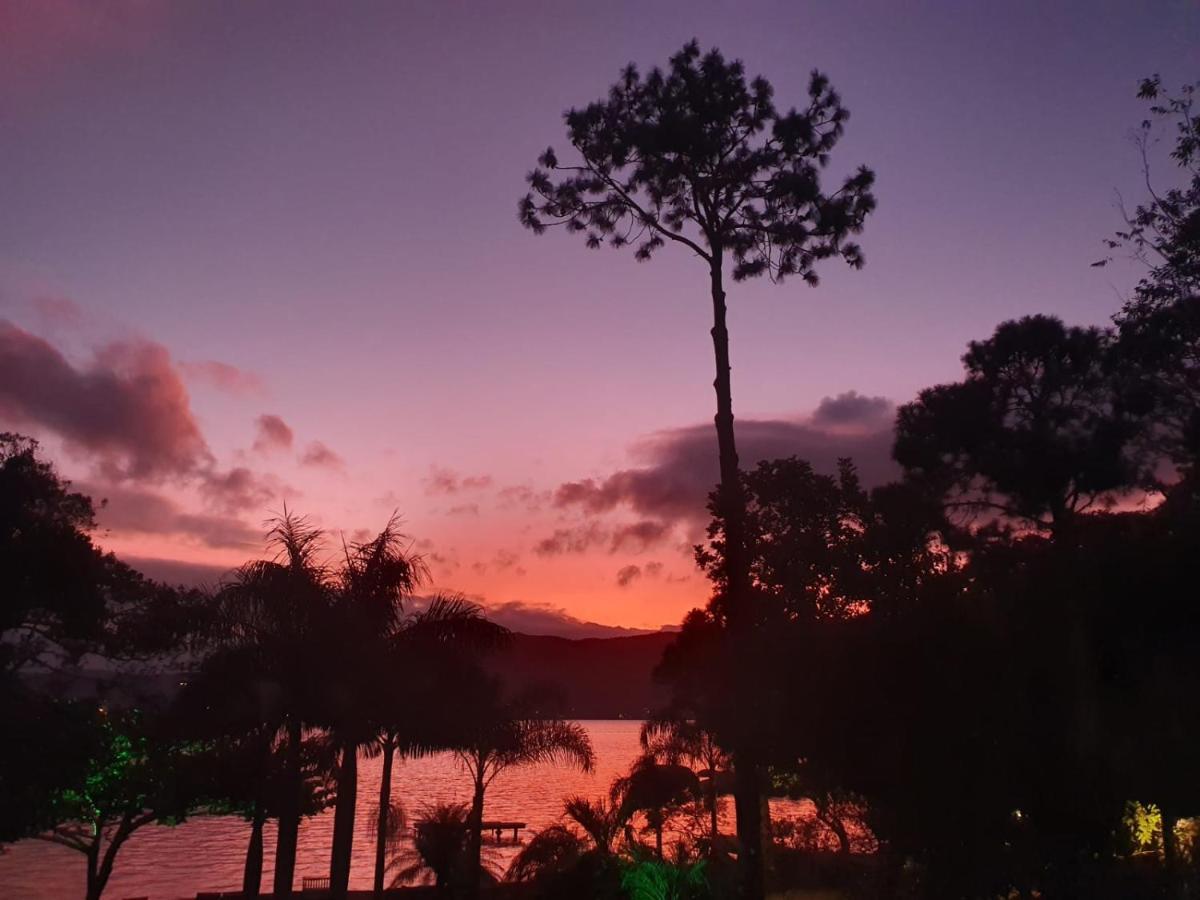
273,434
317,454
128,410
578,539
852,409
627,575
222,376
652,569
679,466
132,510
441,481
639,536
464,509
235,491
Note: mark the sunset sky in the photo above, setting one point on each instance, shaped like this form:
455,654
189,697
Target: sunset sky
256,252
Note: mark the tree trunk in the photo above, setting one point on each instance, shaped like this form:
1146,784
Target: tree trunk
713,802
385,805
475,838
1171,855
343,823
252,872
737,609
93,869
289,815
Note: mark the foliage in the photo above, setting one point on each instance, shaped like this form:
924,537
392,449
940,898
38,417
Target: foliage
656,879
1036,432
699,157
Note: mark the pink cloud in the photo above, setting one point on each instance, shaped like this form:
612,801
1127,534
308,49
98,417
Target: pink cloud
132,510
442,481
128,410
273,434
222,376
318,455
679,466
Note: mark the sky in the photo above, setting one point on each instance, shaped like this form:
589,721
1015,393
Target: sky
257,254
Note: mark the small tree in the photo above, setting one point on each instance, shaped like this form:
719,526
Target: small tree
133,779
507,733
698,157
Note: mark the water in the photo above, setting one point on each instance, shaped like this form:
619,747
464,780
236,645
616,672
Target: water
207,853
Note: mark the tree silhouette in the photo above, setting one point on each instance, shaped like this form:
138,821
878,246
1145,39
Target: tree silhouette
1035,433
701,158
509,732
440,850
276,610
135,777
562,862
656,790
675,739
428,652
1159,328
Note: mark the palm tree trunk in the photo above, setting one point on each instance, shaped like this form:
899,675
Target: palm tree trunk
475,839
385,802
737,573
289,815
252,872
343,822
713,824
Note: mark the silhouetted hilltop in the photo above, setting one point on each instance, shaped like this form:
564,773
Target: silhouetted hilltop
601,678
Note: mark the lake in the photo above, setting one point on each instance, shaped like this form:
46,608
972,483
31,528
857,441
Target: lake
207,853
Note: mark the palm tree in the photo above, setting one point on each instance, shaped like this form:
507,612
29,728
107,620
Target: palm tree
440,851
677,740
427,658
655,790
574,859
510,733
381,640
274,611
369,590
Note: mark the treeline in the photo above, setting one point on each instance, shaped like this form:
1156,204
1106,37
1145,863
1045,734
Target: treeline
994,663
296,665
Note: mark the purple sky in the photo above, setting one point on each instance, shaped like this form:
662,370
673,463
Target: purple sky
324,197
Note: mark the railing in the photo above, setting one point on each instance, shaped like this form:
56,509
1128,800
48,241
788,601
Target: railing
315,884
497,827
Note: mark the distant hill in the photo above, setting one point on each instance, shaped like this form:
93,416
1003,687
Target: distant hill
601,678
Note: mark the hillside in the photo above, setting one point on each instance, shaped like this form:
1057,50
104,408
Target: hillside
601,678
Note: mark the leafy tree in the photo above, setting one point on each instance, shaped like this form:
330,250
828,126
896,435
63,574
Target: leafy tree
134,778
698,157
63,596
1159,327
1034,434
